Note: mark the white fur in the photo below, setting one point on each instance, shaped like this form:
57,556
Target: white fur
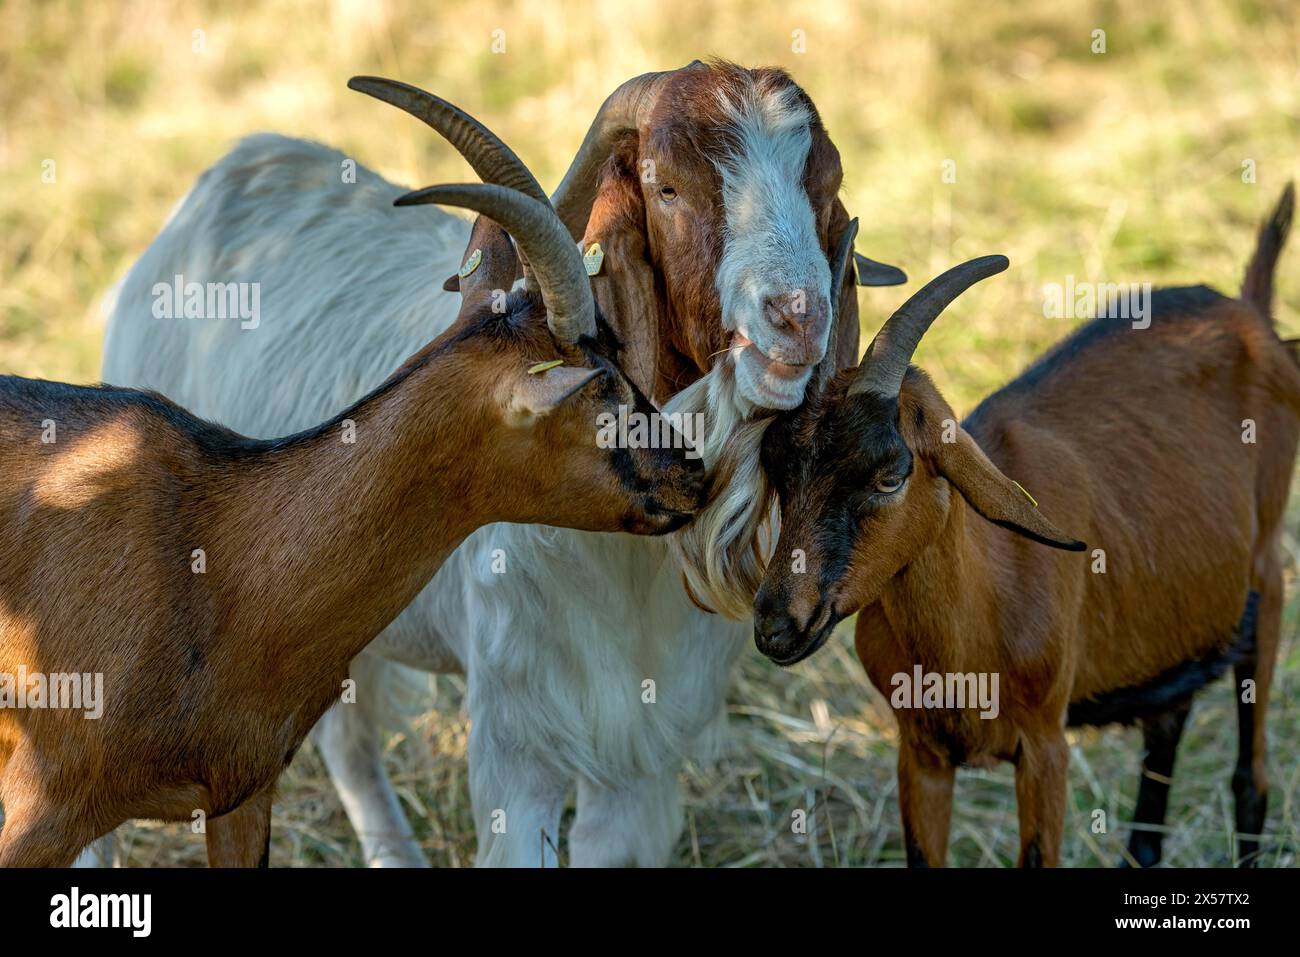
771,246
558,649
722,569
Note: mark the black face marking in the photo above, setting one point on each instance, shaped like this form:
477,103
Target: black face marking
639,471
824,461
829,456
624,466
854,441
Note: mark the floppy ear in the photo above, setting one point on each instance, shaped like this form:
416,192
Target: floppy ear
1292,347
996,497
537,394
872,273
489,264
623,282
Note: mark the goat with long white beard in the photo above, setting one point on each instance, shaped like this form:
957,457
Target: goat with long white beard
712,193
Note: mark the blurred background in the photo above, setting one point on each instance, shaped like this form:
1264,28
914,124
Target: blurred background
1146,153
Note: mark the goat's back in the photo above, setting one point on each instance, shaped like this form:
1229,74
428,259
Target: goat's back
1169,449
97,493
323,252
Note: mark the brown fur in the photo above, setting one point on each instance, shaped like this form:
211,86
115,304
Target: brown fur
661,256
1129,438
312,547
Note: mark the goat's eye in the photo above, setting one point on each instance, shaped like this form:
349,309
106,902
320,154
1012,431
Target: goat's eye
667,194
889,486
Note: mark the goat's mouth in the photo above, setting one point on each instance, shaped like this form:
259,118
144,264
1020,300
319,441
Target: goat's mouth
658,521
810,642
765,381
790,371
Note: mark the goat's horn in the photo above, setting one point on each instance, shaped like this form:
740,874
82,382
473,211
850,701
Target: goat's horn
491,159
552,256
890,353
840,263
625,108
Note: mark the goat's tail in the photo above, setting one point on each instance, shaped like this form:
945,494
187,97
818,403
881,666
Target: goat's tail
1257,286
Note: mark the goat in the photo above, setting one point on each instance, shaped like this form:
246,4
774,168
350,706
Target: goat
556,680
1170,448
218,585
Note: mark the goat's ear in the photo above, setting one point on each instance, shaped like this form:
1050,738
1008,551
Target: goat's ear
623,281
996,497
872,273
536,394
488,267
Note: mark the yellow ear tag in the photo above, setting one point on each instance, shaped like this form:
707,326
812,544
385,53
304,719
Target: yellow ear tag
1023,492
471,264
543,366
593,258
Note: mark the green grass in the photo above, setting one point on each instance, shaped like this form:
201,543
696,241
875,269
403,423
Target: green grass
1119,166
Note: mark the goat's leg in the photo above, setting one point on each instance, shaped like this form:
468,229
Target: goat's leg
1041,770
925,801
1250,779
636,825
518,800
242,837
351,743
40,833
1160,736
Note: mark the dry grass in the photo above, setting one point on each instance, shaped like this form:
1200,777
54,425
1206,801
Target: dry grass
1117,166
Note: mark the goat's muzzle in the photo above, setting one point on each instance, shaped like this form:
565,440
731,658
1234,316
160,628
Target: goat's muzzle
784,641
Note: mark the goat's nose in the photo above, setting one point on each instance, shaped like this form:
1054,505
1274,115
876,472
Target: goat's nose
775,634
796,310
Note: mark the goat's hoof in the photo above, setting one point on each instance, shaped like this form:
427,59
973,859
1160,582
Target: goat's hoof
1141,855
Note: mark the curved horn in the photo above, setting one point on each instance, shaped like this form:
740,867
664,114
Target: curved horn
491,159
552,256
890,353
840,263
624,110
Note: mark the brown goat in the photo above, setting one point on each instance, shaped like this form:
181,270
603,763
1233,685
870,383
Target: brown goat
220,585
1170,448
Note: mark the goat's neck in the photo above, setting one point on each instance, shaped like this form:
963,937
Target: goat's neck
325,540
940,603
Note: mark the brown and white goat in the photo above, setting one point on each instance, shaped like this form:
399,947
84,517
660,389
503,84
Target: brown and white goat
713,193
703,187
1169,448
221,585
